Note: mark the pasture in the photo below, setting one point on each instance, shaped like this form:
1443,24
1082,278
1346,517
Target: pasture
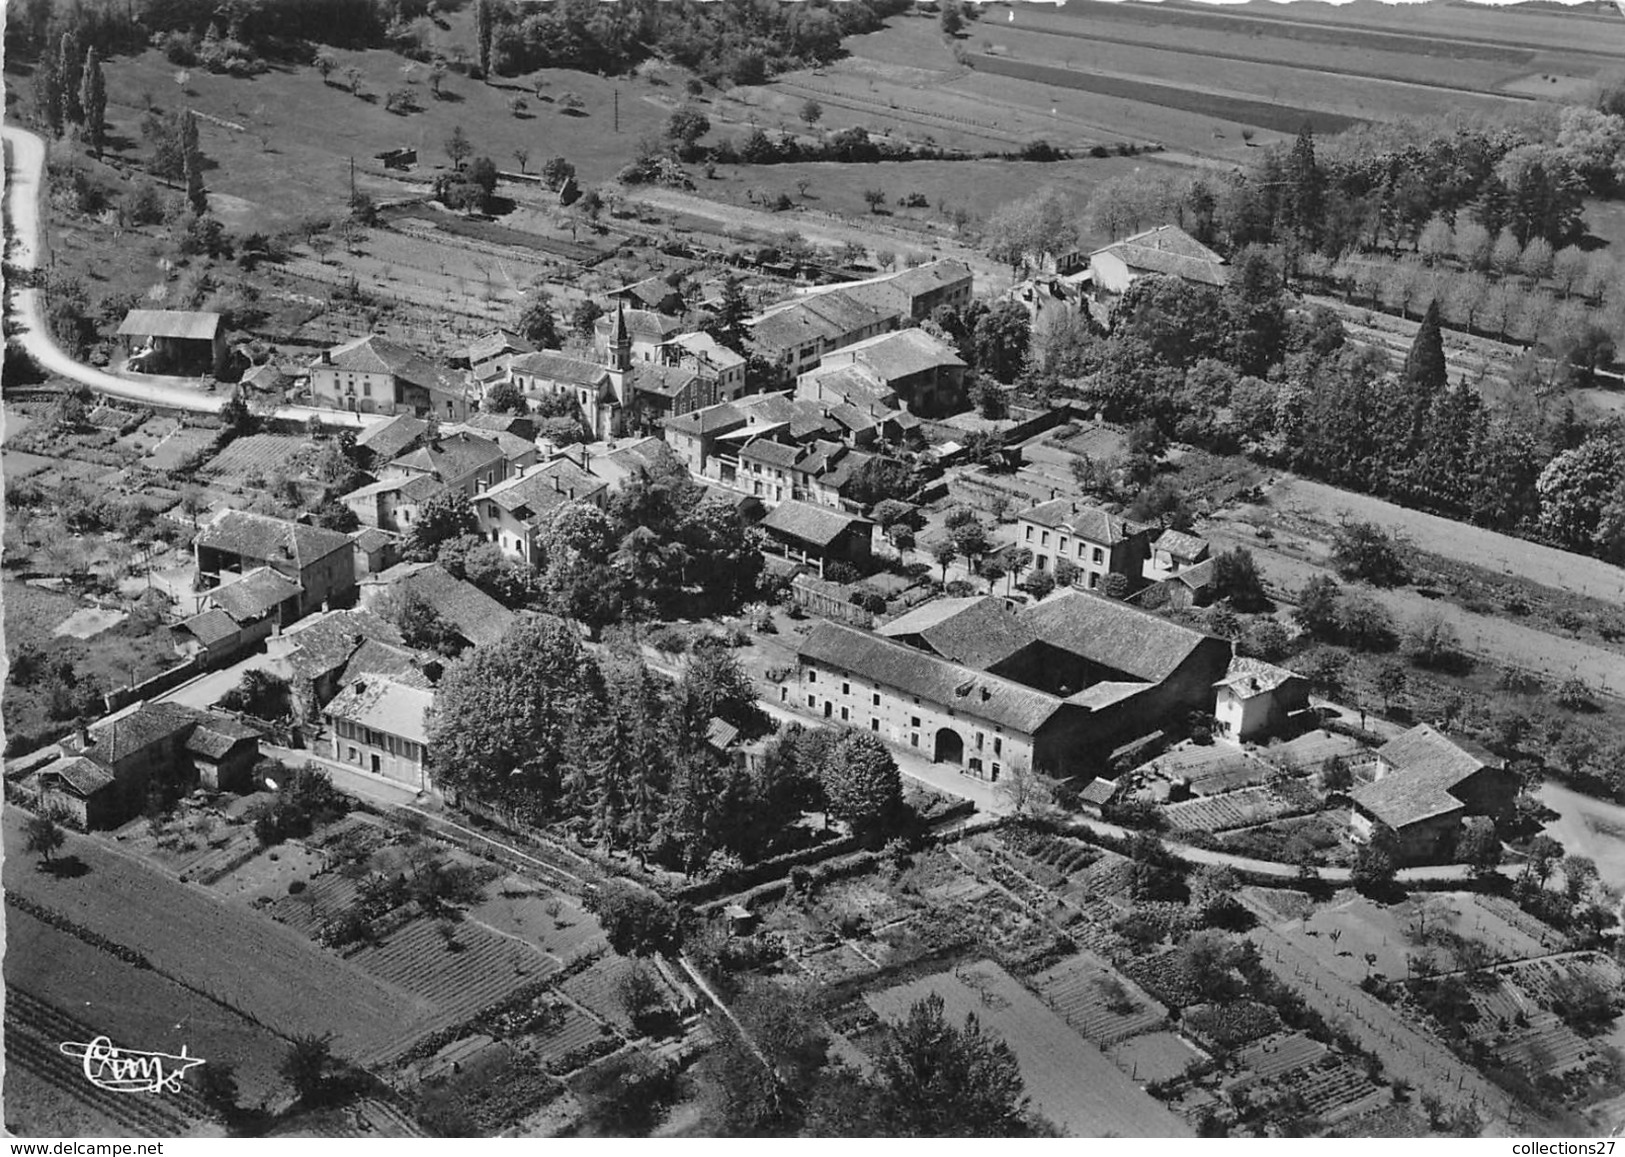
1071,1081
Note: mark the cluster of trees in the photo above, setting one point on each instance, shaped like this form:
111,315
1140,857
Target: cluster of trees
70,91
934,1077
853,145
534,724
994,340
743,41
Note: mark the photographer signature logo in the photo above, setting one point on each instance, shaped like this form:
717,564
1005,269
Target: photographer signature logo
129,1070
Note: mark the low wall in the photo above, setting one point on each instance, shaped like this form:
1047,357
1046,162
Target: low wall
166,680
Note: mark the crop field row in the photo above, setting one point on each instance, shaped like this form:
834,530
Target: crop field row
1236,809
460,976
324,897
575,1031
262,454
1546,980
1545,1046
33,1031
1264,114
598,990
1096,1002
1275,1056
557,923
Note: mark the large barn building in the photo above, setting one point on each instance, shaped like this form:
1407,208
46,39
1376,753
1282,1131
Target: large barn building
1057,686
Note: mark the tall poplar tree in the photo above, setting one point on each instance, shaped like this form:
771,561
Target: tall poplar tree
93,101
192,164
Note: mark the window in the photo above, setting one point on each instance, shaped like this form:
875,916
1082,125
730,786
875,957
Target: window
366,388
913,740
914,721
874,725
812,676
996,770
1029,534
1080,550
1094,581
812,701
979,738
845,715
1100,556
877,698
1043,539
998,746
846,688
1062,544
354,756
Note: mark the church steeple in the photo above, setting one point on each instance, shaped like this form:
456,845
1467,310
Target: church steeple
620,341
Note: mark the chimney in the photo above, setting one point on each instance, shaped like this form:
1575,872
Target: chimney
556,486
85,741
327,357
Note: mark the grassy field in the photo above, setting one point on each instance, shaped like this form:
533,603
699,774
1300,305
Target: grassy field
216,949
1071,1082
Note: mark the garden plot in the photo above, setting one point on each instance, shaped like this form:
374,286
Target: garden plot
179,446
1274,1057
554,921
1544,1046
1156,1056
1237,809
88,622
257,454
194,843
268,875
597,989
1071,1082
1096,1001
324,897
1210,769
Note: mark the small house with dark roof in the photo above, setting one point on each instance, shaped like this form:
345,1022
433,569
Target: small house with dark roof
211,634
323,648
1173,552
375,550
918,292
320,561
380,726
1094,540
460,462
514,514
391,439
478,618
393,504
1097,793
654,294
1256,699
373,375
173,341
909,367
106,771
491,346
1426,785
260,602
816,536
266,379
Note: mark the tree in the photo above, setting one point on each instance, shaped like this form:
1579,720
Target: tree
1000,339
811,113
874,198
1373,870
307,1066
945,552
1390,681
536,322
354,76
1432,641
44,835
1544,854
1027,790
636,921
556,172
584,316
952,22
1040,583
93,100
504,398
442,517
192,165
1425,364
483,34
687,125
940,1080
437,77
1363,550
1479,847
326,64
458,147
861,782
1236,578
70,67
1316,611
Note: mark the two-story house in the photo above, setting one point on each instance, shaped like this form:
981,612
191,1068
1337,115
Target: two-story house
793,336
235,542
379,726
714,359
919,292
1094,540
908,368
513,514
1426,785
461,462
372,375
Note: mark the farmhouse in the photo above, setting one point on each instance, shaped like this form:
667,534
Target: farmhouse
236,542
373,375
462,463
173,341
260,603
1166,251
378,725
716,361
1174,553
817,536
326,650
1426,784
1056,686
374,550
1094,540
391,439
796,334
105,772
476,617
1255,698
392,504
652,293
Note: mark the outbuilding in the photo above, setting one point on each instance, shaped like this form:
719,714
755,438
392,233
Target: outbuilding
173,341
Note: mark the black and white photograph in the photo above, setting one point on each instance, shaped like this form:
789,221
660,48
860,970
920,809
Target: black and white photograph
903,569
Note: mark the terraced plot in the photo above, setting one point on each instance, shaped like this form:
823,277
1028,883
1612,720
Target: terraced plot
1235,809
1096,1001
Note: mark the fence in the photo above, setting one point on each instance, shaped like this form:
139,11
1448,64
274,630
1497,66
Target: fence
828,600
166,680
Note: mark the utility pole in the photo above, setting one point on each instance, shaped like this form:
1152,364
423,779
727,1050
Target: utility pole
352,180
617,108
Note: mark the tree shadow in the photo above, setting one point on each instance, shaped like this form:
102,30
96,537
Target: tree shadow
69,867
369,97
449,97
574,112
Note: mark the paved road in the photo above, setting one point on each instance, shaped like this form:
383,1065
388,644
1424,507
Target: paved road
25,314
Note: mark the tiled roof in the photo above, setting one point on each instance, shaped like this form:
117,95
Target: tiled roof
116,739
476,615
519,425
1112,634
211,627
266,377
376,355
412,488
903,354
823,318
1195,577
720,733
326,642
853,418
1090,523
253,596
259,536
369,539
933,275
855,385
977,631
710,420
1170,239
374,658
556,367
172,323
818,525
542,488
643,323
452,456
82,775
390,439
1099,791
216,735
1170,251
703,345
494,344
771,453
1248,677
914,673
1187,547
1426,765
384,705
660,380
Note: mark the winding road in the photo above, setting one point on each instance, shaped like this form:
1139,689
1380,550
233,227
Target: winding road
25,306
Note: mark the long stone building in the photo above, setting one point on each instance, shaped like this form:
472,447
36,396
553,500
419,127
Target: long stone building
1058,686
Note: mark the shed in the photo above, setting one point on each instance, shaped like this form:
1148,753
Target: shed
741,920
173,341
